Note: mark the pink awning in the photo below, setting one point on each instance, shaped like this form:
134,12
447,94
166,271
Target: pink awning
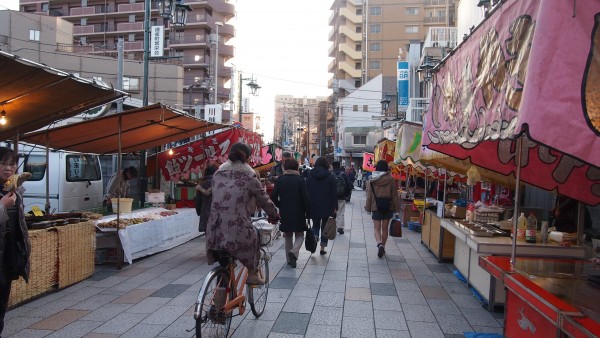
532,68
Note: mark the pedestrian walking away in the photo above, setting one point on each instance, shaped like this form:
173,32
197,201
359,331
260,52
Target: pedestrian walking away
322,194
204,196
339,174
290,195
382,201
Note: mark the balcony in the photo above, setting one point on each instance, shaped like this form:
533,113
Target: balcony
137,7
226,9
226,50
351,16
351,33
187,40
428,3
353,72
192,61
350,51
130,27
441,37
434,19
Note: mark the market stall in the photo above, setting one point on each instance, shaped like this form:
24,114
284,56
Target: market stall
133,130
148,231
548,297
495,104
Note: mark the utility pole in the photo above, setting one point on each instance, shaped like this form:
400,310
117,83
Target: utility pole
308,136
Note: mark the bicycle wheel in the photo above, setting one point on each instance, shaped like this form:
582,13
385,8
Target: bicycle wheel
211,320
257,294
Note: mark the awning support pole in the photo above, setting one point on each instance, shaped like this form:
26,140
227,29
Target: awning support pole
517,202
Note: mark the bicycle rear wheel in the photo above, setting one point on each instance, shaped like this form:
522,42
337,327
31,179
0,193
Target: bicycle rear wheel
212,321
257,294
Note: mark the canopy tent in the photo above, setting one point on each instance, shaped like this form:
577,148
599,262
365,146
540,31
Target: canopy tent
141,128
531,70
33,95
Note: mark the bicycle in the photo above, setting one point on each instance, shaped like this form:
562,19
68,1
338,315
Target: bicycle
223,289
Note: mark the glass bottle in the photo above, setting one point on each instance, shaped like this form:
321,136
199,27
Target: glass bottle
530,234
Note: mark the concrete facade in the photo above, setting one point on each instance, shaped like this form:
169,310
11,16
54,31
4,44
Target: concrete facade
98,24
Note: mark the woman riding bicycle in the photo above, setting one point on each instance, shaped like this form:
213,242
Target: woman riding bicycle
229,228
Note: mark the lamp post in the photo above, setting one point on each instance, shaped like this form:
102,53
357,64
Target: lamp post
176,11
216,57
254,87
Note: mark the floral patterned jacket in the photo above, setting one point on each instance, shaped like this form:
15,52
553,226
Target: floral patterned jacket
229,228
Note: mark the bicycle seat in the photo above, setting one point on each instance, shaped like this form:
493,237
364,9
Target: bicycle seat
223,257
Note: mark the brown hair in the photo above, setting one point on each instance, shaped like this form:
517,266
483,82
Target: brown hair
239,152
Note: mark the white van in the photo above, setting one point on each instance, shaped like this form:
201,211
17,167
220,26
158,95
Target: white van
75,179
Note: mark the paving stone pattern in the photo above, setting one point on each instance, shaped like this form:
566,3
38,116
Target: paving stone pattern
349,292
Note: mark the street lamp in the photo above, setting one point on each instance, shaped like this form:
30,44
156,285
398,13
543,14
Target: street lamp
254,87
216,57
176,11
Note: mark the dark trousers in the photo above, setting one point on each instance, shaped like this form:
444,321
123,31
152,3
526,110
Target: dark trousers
317,228
4,295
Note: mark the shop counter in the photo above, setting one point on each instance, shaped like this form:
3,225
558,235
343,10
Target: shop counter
548,297
468,249
143,239
440,241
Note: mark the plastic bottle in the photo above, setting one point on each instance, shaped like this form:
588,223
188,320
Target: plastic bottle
530,234
545,232
521,227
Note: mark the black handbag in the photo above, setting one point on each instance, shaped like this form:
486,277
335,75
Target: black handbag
310,242
15,256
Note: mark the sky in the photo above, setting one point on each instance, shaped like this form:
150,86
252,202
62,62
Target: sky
283,44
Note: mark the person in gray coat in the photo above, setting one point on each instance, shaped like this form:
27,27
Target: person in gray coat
323,198
291,197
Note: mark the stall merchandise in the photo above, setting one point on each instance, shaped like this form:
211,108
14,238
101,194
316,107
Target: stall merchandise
60,256
148,231
468,247
548,297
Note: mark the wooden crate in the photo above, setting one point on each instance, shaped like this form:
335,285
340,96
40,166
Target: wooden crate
44,265
76,252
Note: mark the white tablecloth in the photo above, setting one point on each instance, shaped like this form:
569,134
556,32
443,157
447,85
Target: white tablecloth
154,236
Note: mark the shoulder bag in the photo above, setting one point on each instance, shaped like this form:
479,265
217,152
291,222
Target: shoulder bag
330,229
383,203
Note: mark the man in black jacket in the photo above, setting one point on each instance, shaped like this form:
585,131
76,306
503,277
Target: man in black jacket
278,169
337,171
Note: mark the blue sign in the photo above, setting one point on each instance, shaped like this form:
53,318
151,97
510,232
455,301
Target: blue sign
403,85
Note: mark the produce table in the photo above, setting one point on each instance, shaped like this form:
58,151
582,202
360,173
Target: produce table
548,297
468,249
143,239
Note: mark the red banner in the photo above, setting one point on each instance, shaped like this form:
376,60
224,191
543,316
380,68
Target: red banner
189,159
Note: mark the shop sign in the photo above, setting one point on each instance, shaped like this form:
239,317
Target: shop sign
157,41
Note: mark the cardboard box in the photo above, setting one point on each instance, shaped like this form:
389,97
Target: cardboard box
155,197
458,212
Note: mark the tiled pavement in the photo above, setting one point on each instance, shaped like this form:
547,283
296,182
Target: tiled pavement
349,292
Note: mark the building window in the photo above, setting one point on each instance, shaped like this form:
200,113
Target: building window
375,28
357,65
358,29
131,84
359,11
358,47
375,11
45,7
357,82
412,11
131,18
375,47
355,107
441,14
411,29
375,64
83,22
365,107
131,38
359,139
34,35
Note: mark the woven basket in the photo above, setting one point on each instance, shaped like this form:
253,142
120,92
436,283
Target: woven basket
76,252
44,264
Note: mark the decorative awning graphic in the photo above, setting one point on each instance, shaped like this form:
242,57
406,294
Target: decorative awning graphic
533,69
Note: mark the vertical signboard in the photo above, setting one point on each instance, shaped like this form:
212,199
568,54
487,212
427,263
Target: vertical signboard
403,85
213,113
157,41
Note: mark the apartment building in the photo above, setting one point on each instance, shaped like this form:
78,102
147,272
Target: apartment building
369,37
49,40
98,24
303,123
